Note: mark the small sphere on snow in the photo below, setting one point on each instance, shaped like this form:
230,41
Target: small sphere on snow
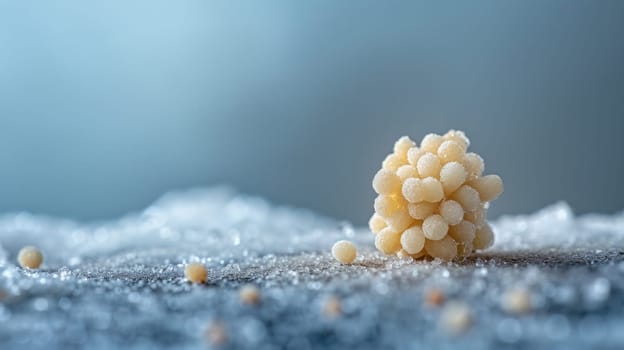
452,212
435,227
456,318
386,182
434,297
30,257
344,251
517,301
196,273
249,294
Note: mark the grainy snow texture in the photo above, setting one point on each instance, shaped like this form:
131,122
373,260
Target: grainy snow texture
120,285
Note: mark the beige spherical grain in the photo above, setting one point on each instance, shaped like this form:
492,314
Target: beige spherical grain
413,190
386,182
406,171
332,307
477,217
30,257
429,165
216,333
463,232
459,137
413,240
452,175
388,241
484,237
452,212
376,223
433,191
414,154
435,227
421,211
392,162
450,151
399,220
196,273
456,318
402,146
489,187
468,197
474,165
517,301
344,251
445,248
249,294
464,249
387,205
431,142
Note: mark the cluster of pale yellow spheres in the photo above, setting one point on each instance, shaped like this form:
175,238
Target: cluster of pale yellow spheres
433,199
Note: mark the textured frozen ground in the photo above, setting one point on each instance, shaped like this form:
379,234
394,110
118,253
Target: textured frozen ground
120,284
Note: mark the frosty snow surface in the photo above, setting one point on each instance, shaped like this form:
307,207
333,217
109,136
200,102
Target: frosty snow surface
120,285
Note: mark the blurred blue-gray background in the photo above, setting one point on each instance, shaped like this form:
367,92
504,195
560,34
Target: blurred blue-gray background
104,107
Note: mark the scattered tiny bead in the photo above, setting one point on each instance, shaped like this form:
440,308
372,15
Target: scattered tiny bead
332,307
196,273
344,251
456,317
434,297
30,257
249,294
517,301
216,333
